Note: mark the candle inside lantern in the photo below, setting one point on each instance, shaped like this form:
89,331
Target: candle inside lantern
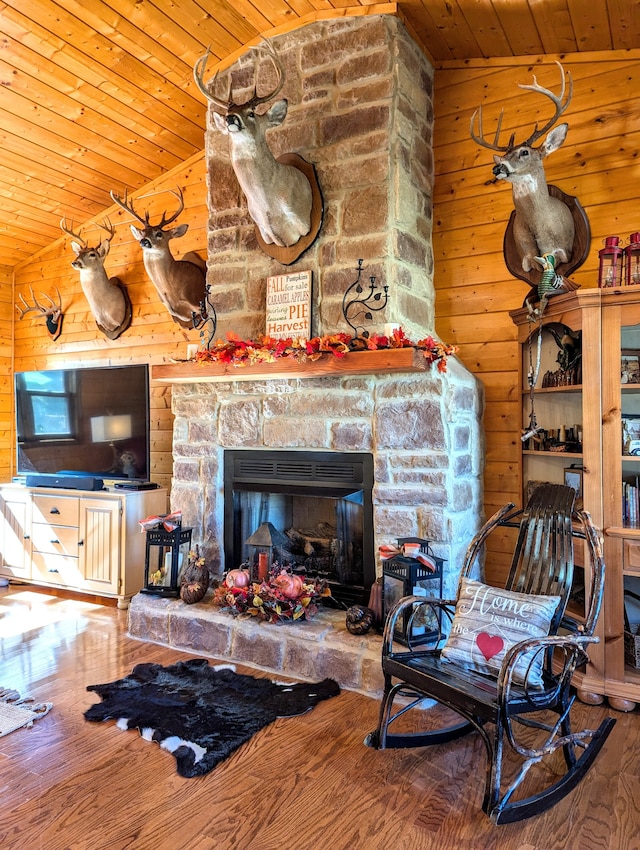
262,566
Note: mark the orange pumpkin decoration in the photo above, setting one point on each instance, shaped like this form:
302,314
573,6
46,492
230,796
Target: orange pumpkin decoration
289,585
237,578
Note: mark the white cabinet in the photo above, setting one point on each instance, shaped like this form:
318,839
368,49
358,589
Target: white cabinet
15,537
85,542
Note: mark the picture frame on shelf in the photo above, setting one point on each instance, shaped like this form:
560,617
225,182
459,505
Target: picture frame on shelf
573,478
629,366
630,434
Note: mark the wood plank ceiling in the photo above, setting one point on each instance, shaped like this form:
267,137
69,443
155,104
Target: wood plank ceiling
99,94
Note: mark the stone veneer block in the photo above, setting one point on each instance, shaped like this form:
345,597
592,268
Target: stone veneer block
260,647
200,633
149,618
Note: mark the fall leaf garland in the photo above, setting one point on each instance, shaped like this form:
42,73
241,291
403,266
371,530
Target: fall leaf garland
267,349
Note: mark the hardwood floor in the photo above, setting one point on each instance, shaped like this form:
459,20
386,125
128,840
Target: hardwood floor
304,783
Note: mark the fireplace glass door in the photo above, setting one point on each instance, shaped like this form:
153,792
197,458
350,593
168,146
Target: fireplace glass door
318,503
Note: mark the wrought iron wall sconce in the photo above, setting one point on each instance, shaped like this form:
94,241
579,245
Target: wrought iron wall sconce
357,303
207,321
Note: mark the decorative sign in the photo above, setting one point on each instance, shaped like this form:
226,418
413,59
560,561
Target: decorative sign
289,306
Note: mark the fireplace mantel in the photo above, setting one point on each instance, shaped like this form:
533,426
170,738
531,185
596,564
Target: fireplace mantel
328,365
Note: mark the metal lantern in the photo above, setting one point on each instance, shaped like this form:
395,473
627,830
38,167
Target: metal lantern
632,260
611,263
414,571
172,550
262,542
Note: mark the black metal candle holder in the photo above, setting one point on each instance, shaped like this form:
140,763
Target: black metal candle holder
356,303
161,575
207,321
405,576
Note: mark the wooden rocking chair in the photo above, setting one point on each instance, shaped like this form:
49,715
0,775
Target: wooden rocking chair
525,702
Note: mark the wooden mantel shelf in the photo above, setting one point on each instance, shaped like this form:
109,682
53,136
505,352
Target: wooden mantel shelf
328,365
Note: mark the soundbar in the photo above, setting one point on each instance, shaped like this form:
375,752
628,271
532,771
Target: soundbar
64,482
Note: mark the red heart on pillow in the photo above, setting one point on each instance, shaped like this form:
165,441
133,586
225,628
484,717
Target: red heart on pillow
489,645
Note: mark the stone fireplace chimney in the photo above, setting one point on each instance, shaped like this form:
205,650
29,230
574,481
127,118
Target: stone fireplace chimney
360,109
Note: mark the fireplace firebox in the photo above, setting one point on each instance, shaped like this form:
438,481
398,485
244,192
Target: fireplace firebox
321,502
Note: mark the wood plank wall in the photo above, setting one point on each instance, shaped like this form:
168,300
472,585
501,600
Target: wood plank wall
6,376
598,163
153,337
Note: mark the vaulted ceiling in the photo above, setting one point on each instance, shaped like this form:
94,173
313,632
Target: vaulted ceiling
99,94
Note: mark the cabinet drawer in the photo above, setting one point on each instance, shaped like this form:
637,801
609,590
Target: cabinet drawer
631,555
54,539
55,569
61,510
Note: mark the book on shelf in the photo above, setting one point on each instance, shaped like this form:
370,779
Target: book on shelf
631,501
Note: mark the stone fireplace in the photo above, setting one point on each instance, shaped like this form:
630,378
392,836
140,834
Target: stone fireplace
359,92
421,429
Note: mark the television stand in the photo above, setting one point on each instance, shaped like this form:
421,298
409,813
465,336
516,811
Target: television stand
76,540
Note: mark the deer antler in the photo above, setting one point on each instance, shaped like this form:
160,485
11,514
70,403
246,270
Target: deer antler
480,140
127,205
255,100
164,220
560,107
106,225
268,48
53,310
556,99
198,76
71,233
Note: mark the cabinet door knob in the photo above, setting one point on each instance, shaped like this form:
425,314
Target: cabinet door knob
54,511
80,542
55,542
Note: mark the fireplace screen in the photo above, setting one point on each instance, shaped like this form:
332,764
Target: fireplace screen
317,503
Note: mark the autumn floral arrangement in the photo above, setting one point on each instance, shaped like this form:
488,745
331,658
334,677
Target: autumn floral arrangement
282,596
266,349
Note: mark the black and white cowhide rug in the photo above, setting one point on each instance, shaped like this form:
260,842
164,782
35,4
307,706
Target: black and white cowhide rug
201,713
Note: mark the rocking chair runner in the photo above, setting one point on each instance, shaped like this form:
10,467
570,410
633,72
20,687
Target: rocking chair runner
531,681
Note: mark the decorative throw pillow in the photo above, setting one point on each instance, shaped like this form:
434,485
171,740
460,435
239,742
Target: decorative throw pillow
488,621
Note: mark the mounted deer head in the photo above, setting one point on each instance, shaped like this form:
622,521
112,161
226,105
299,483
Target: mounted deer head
51,313
279,196
180,283
543,224
107,296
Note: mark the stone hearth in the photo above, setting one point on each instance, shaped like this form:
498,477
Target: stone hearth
311,650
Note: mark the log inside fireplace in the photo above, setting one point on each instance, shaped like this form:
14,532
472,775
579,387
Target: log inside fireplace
320,501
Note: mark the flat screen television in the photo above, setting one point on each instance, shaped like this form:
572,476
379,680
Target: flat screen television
91,422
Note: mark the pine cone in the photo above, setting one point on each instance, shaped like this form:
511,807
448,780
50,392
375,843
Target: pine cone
192,592
359,619
194,580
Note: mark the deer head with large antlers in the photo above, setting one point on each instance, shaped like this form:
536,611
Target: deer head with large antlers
280,196
543,224
107,296
51,312
180,283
